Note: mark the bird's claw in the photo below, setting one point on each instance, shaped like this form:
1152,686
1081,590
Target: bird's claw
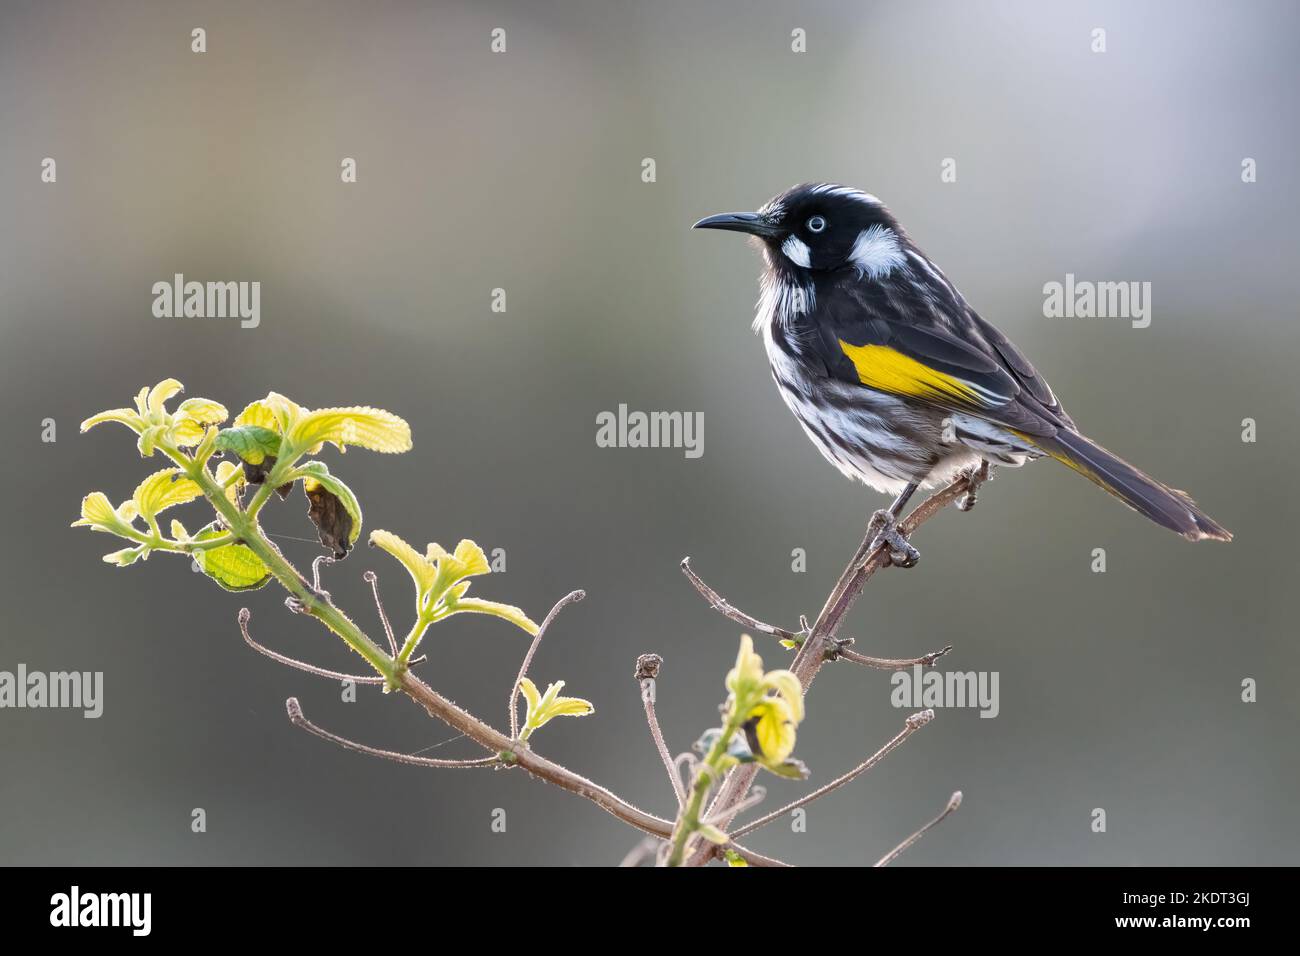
899,550
975,477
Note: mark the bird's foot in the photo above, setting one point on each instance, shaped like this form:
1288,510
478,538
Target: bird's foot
975,476
898,549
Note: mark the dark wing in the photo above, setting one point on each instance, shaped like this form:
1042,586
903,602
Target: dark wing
911,334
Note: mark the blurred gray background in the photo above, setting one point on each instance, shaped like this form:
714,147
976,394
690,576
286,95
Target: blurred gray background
522,171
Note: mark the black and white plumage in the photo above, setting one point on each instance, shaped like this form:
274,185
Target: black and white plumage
894,377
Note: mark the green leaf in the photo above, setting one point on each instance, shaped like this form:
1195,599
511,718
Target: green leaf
233,566
735,859
252,443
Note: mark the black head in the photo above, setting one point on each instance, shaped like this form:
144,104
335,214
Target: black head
821,227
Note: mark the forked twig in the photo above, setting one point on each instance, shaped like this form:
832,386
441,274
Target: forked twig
840,649
912,725
297,718
245,615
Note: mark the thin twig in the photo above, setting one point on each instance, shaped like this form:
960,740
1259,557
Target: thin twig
646,848
245,615
647,674
892,663
756,796
727,609
373,580
315,569
953,803
297,718
911,726
570,598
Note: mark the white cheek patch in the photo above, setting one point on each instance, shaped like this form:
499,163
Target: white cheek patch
796,250
876,253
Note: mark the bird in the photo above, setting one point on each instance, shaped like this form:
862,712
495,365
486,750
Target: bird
896,379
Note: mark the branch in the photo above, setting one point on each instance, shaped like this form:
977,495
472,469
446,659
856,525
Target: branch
647,672
571,598
953,803
871,555
298,720
911,726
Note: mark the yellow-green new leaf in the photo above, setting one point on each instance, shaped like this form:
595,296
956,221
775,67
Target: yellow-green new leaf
371,428
787,686
131,419
164,489
507,612
98,514
747,675
160,393
125,557
202,410
259,414
770,730
422,572
544,707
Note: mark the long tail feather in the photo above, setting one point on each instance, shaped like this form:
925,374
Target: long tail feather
1165,506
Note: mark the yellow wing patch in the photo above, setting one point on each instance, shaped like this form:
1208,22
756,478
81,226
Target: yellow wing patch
889,370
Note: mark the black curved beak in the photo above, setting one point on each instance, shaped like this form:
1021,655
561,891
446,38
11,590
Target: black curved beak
748,222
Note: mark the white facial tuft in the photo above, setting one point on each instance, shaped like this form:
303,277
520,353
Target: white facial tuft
876,253
796,250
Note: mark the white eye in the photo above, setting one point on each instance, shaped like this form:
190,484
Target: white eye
816,224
